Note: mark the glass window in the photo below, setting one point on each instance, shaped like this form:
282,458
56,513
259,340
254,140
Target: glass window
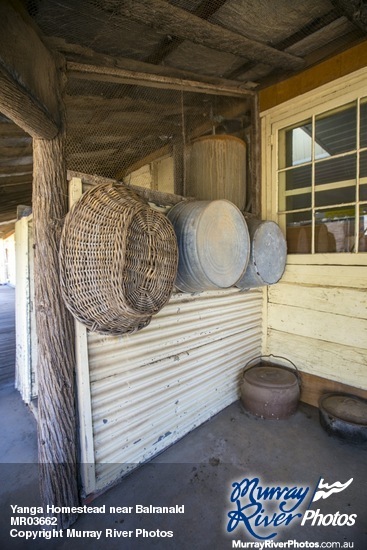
340,169
298,178
336,230
363,130
299,233
336,131
322,181
362,236
363,176
297,145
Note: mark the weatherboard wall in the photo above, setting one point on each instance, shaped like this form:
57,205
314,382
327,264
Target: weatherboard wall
317,315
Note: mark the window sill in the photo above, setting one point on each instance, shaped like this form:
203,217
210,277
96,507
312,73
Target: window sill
336,259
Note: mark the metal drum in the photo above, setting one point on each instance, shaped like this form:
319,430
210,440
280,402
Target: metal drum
268,254
213,242
270,391
216,169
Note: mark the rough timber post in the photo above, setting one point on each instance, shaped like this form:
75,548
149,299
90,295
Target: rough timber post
30,94
56,400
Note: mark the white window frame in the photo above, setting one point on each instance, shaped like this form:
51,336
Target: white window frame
327,97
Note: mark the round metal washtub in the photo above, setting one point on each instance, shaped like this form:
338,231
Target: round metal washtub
213,243
270,391
216,169
344,416
268,254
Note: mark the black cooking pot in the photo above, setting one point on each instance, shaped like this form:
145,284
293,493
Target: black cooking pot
345,416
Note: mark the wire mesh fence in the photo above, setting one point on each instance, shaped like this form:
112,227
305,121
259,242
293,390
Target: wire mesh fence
142,133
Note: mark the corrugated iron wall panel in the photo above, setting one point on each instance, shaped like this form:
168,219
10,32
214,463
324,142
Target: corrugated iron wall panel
151,388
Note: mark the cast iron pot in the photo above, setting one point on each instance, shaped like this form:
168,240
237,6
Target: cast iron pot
270,391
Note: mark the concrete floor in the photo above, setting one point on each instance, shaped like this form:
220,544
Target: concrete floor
197,472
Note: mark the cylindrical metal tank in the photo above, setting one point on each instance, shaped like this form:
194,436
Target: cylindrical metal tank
267,257
213,243
216,169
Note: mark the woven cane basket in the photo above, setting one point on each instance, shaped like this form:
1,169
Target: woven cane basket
118,260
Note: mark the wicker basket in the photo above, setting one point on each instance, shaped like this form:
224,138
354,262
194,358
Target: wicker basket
118,260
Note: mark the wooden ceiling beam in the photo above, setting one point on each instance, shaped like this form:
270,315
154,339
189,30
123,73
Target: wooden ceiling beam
175,21
14,196
123,76
9,189
28,76
170,43
6,222
82,60
14,179
354,10
12,169
308,30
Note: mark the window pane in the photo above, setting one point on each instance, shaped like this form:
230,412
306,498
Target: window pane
299,231
336,131
363,135
363,176
362,244
339,224
295,145
334,170
296,202
335,196
298,178
324,241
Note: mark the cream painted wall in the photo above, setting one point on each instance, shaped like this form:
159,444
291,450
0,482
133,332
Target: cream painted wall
25,323
317,317
317,314
7,260
156,175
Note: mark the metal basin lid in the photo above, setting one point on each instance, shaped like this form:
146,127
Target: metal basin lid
223,243
271,377
269,251
214,244
348,408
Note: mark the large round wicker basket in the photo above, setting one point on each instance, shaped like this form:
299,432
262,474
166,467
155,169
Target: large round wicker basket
118,260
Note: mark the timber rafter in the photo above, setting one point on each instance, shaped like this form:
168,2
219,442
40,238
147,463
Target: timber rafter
170,43
354,10
177,22
28,97
85,61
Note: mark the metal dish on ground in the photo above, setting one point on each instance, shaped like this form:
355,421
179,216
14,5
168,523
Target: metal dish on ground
345,416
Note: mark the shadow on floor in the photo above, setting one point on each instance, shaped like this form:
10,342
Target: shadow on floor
197,474
194,479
